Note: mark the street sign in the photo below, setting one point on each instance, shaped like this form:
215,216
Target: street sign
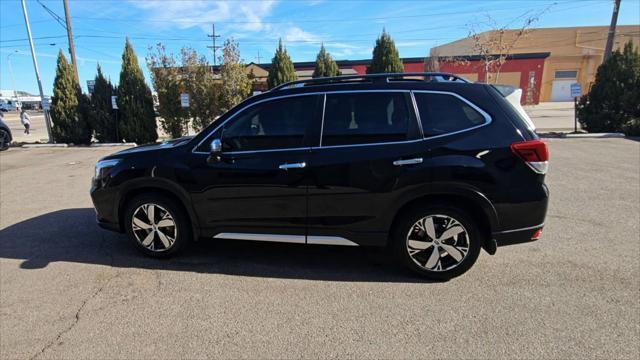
91,85
114,102
46,105
576,90
184,100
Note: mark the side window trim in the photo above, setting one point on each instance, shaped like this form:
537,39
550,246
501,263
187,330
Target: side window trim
484,114
208,136
415,118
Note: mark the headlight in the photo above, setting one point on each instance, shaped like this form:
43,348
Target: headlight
103,167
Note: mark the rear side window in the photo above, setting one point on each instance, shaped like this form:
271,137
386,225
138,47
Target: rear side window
365,118
276,124
443,113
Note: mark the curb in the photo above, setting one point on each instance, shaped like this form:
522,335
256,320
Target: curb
112,144
62,145
563,135
45,145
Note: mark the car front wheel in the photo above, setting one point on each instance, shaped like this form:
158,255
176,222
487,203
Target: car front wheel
157,225
437,242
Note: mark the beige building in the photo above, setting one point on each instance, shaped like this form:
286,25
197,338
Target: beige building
574,53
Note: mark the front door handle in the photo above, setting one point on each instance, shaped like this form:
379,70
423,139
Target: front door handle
300,165
407,162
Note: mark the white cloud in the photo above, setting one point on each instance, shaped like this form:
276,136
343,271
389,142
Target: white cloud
294,33
245,15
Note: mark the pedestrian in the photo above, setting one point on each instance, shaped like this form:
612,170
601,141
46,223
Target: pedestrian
24,119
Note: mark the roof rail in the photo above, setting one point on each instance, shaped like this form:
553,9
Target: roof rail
385,77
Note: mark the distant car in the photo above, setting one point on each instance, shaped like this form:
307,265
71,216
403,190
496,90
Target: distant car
5,136
435,169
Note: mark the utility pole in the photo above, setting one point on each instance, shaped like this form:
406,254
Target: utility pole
258,57
612,30
213,37
72,50
47,119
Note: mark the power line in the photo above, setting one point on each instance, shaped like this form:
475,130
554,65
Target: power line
55,16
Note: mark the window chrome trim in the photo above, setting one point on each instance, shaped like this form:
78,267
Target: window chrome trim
487,117
242,110
324,108
488,120
284,97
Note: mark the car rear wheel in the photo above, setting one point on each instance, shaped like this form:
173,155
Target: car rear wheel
437,242
4,140
157,225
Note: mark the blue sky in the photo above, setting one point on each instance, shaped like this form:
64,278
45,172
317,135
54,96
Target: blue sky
348,28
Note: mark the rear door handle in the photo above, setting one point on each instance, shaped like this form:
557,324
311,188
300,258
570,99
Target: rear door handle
407,162
300,165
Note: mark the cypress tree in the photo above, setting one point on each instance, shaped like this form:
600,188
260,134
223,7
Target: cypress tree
68,125
136,117
385,56
613,103
282,69
325,66
102,114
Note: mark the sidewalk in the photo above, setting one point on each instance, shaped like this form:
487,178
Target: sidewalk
552,116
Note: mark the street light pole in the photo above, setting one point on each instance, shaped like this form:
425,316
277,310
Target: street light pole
13,80
47,119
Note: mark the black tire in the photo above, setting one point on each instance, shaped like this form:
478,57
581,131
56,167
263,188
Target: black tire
162,204
438,214
4,140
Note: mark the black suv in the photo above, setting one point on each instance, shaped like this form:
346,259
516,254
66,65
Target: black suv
427,164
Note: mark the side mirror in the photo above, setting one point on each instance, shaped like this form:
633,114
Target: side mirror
215,152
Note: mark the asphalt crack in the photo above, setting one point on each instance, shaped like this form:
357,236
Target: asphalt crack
76,318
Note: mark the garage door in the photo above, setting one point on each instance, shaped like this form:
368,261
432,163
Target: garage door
561,90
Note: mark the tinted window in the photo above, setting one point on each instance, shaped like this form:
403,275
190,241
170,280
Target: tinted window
441,114
275,124
362,118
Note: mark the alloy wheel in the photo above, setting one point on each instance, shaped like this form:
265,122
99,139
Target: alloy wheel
154,227
437,243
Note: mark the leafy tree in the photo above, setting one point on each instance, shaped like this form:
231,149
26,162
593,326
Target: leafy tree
167,82
236,85
199,82
137,122
103,120
613,104
282,69
385,56
68,126
325,66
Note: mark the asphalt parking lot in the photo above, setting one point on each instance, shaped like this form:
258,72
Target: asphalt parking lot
71,290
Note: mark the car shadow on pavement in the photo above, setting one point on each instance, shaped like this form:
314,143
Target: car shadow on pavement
72,235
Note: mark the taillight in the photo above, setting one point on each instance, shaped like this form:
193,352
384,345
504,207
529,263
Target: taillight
534,153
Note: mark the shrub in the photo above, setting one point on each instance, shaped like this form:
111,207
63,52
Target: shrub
613,104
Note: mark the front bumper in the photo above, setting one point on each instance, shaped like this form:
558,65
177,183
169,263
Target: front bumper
104,202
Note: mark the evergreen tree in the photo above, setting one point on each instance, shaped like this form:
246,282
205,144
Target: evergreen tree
236,85
167,82
199,82
136,117
282,69
613,104
68,126
102,115
385,56
325,66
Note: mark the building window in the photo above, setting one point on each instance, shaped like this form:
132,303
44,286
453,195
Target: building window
566,74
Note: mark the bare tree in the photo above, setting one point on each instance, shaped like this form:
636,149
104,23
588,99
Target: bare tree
496,44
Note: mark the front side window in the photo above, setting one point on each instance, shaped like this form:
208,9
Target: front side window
364,118
275,124
443,113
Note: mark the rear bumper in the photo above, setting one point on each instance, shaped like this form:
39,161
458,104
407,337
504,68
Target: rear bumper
516,236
